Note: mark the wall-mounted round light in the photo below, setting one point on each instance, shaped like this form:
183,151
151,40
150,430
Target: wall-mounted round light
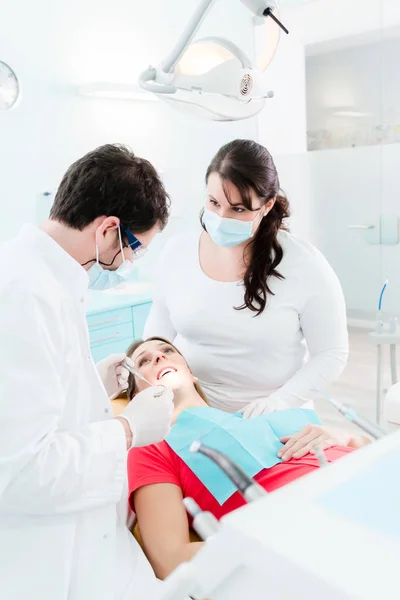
9,87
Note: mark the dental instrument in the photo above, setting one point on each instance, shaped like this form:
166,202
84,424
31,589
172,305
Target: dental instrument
136,373
204,523
369,428
249,488
212,77
320,454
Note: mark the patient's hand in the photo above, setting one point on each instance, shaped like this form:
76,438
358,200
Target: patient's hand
300,444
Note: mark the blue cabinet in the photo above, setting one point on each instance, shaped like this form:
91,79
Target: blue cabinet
116,320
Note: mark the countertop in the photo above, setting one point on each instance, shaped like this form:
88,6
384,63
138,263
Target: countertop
127,295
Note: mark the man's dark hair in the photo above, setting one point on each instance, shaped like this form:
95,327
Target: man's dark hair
111,181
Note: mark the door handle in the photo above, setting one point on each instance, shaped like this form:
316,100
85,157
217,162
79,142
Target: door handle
361,226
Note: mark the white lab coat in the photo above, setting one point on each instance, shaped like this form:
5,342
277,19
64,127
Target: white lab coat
62,456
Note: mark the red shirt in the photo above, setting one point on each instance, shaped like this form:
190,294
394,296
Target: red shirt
158,463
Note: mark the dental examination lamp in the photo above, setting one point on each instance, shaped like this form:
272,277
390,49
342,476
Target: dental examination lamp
211,77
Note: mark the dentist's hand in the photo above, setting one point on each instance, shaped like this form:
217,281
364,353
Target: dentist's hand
113,375
149,415
263,406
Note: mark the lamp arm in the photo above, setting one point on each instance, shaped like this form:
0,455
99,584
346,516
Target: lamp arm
147,82
169,63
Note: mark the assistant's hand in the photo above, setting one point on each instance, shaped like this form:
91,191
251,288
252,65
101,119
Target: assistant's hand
300,444
113,375
149,415
263,406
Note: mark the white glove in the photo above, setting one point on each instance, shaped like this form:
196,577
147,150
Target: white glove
263,406
113,375
149,415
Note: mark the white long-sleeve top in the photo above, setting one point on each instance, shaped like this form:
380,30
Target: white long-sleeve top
62,455
298,343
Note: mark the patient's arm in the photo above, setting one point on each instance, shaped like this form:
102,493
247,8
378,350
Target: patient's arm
354,440
164,527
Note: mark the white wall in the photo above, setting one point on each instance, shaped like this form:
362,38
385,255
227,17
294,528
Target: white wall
57,46
282,123
325,20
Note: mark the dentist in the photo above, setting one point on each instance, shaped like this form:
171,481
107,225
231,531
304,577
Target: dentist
62,455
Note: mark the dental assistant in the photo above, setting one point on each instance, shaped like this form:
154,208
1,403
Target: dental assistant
258,313
62,455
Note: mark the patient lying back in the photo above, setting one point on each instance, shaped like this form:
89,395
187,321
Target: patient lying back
161,475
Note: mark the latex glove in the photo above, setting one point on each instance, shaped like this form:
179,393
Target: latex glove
300,444
113,375
149,415
263,406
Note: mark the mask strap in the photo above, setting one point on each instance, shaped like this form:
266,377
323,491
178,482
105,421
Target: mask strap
120,243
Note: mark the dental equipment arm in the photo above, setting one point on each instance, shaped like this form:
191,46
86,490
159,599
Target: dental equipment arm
369,428
249,489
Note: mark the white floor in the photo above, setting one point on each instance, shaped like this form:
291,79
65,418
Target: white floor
357,386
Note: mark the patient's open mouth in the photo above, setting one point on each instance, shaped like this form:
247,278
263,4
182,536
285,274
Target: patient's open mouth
165,371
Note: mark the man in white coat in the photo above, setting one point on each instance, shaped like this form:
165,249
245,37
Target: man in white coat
62,454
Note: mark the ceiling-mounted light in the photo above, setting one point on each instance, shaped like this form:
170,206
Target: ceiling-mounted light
212,77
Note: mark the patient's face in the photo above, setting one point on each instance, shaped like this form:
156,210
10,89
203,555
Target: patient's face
160,363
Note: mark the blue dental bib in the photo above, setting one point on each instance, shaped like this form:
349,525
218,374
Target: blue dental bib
251,443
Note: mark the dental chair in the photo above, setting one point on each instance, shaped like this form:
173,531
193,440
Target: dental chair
392,408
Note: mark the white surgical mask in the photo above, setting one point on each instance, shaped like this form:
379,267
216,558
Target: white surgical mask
103,279
227,232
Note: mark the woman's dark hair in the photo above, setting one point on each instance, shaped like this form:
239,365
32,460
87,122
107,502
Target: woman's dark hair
111,181
249,166
132,388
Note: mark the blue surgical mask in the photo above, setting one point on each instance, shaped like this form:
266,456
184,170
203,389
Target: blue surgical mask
103,279
227,232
